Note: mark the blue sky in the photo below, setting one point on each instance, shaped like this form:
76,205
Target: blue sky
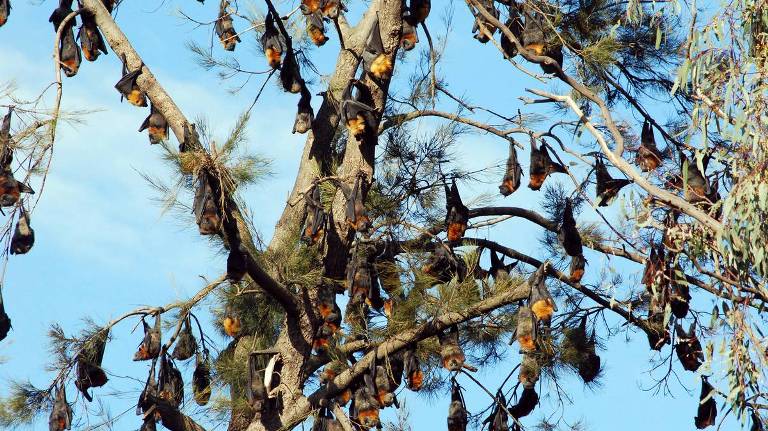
102,247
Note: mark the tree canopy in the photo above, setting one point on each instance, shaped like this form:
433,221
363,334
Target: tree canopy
634,153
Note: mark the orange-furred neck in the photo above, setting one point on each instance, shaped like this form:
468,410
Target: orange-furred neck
356,126
526,342
536,181
273,57
232,326
456,231
136,97
381,67
543,309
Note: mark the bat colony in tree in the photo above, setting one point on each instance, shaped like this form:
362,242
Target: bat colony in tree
360,249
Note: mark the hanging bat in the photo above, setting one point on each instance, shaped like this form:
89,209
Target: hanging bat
91,41
525,405
451,353
607,188
541,166
205,207
648,155
697,189
541,302
707,411
149,348
128,87
568,234
483,24
11,189
456,214
308,7
272,42
498,270
457,410
529,371
225,30
534,32
156,125
186,345
757,422
327,330
654,268
414,376
577,268
511,180
384,392
69,52
375,61
358,279
236,264
526,329
256,392
498,420
201,379
355,213
589,366
170,385
61,415
5,321
23,236
688,348
443,264
316,28
679,293
408,38
515,25
5,11
88,360
367,407
290,74
357,111
658,335
148,394
305,116
231,322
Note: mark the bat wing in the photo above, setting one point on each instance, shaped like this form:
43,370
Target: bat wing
125,84
145,124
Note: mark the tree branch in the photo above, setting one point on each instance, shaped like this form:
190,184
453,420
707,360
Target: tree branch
660,194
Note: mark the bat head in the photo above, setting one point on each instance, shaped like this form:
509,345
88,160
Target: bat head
577,268
232,325
409,38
